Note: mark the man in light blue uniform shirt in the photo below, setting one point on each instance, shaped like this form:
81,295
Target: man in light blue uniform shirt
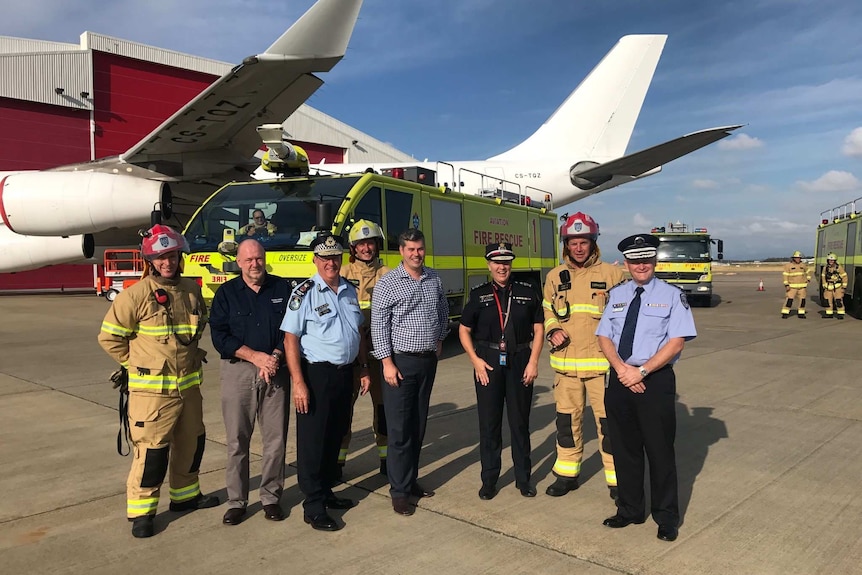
321,342
642,333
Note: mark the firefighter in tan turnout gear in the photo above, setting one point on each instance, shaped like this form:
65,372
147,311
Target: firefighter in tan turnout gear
833,279
575,295
152,330
796,278
365,268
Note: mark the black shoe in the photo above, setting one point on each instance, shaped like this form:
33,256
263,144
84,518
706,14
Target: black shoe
801,315
419,491
383,470
199,501
273,512
561,486
614,492
840,316
487,492
618,521
667,532
333,502
322,522
526,490
401,506
233,516
784,316
142,526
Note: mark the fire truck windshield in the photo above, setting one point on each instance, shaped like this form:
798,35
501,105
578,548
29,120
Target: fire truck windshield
281,215
684,250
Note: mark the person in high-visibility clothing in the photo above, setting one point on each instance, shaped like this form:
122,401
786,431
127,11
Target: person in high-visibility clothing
152,330
365,268
796,277
575,295
833,279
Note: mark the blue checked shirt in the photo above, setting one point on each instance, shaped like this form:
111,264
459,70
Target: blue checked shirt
406,314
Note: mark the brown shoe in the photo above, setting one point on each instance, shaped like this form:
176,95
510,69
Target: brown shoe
401,506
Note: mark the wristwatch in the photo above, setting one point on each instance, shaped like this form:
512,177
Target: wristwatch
643,371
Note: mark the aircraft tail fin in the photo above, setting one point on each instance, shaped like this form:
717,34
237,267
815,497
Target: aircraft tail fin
598,117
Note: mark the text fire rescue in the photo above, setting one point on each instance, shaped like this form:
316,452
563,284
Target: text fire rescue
483,238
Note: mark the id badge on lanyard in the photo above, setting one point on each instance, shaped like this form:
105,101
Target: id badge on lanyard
503,323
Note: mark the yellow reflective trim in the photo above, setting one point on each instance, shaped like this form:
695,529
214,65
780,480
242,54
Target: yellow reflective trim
797,286
135,507
157,330
383,451
550,321
115,329
186,493
160,382
580,364
573,308
342,455
567,468
611,477
364,304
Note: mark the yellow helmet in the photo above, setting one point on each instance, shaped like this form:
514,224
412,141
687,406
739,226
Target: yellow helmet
831,256
797,254
364,230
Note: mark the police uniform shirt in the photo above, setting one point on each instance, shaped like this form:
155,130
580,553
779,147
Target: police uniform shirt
482,315
326,323
241,316
664,314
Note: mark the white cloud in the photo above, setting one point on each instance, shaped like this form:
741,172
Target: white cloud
640,220
853,143
705,184
740,142
832,181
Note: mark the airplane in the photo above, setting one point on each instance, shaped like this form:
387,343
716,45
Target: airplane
580,150
50,216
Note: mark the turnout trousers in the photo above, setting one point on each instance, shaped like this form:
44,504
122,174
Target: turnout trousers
406,417
168,434
379,422
645,423
834,301
319,432
791,295
570,394
504,386
246,398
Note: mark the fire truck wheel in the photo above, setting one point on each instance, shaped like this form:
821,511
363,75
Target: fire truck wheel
111,294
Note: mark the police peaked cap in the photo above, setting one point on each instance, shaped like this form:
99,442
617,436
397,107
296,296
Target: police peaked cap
326,244
499,252
639,247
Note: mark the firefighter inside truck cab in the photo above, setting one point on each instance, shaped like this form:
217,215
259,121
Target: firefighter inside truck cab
259,228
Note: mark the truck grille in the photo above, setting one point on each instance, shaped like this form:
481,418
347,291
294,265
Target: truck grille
679,276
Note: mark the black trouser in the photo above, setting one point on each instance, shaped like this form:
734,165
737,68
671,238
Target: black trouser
504,384
406,409
645,423
319,432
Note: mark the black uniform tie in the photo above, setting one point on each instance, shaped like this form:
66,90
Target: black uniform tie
627,339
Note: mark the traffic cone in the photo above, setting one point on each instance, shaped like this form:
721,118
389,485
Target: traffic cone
760,287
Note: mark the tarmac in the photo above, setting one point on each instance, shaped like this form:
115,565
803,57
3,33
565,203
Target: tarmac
767,446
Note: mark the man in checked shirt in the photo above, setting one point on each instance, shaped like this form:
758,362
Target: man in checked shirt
409,321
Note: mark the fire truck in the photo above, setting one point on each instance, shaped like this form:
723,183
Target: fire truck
685,259
120,268
457,226
839,232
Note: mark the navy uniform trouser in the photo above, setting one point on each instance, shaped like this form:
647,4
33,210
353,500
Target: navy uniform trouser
504,385
645,423
406,409
319,432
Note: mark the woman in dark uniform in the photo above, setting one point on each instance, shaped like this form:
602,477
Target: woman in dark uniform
502,332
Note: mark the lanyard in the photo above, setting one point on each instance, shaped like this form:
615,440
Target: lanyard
503,323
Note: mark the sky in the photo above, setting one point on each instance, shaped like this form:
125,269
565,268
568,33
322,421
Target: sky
467,79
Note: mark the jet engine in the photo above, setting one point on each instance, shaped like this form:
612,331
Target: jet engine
21,253
584,183
72,203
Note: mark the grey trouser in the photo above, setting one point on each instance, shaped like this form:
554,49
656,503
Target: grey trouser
245,397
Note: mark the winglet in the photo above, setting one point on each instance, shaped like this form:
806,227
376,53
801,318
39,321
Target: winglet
322,33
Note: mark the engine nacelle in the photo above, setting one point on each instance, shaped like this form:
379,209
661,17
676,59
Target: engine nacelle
72,203
21,253
584,183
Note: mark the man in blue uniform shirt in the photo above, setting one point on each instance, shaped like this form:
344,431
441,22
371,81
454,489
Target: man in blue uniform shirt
321,342
642,332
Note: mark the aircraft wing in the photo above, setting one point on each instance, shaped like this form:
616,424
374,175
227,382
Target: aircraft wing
645,160
215,132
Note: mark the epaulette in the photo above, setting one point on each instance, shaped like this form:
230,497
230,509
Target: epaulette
480,286
525,284
624,281
299,293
